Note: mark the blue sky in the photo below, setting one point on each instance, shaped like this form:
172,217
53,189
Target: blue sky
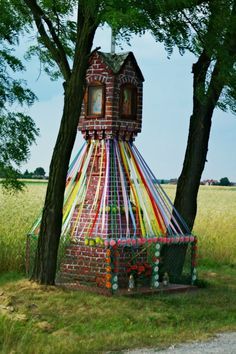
167,108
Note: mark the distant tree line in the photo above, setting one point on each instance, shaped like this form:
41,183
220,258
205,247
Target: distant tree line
224,181
38,173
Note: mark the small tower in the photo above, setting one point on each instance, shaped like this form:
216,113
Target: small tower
113,98
111,112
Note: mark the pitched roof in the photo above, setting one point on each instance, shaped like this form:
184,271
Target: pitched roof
115,61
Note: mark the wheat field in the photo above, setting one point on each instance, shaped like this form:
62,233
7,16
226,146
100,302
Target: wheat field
17,214
215,224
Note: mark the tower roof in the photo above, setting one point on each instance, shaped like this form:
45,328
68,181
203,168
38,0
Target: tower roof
115,61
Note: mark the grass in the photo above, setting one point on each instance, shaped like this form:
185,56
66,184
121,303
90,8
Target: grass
36,319
215,224
50,320
17,214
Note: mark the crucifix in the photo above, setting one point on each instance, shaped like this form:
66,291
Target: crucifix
113,42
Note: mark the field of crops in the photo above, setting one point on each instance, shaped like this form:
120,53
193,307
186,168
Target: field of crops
17,214
215,224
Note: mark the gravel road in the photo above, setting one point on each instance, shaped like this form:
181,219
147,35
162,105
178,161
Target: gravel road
224,343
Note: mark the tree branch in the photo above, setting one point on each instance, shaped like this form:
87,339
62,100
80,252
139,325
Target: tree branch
197,31
164,7
54,45
176,5
220,75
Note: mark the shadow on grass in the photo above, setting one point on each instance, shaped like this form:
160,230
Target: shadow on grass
10,277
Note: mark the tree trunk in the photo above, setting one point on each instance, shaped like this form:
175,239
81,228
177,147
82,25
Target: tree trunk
198,138
194,162
46,255
195,158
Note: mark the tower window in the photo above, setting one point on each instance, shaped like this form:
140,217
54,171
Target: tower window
95,100
128,102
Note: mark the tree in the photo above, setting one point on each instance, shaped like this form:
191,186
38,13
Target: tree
62,42
208,31
39,171
214,85
17,130
27,174
224,182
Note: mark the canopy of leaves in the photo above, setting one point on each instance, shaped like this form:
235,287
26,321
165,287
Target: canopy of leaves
224,181
195,26
39,171
57,30
209,27
17,130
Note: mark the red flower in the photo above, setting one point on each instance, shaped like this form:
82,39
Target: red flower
134,267
141,269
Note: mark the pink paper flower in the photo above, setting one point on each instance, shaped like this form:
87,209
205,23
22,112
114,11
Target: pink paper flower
112,243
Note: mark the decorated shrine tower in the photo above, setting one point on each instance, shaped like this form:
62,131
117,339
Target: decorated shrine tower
111,115
120,221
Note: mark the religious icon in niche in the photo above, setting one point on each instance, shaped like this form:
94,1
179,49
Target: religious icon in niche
128,101
95,100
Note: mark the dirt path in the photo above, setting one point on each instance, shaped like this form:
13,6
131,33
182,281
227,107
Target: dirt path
224,343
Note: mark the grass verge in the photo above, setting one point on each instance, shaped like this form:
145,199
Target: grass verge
37,319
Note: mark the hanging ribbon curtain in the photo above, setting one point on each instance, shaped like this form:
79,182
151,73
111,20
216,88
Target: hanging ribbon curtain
112,193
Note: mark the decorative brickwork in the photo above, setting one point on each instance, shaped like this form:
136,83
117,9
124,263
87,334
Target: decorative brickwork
83,263
88,264
112,124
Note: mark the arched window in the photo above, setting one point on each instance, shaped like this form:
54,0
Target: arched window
128,101
95,100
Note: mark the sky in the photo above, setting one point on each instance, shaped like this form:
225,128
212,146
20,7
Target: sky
167,106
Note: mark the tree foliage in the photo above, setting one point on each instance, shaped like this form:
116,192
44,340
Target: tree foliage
224,181
17,129
206,30
39,171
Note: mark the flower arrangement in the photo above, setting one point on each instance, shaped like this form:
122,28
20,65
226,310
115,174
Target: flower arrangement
139,269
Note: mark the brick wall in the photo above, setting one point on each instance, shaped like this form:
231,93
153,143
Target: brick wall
88,264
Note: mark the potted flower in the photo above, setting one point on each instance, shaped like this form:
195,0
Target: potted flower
140,272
